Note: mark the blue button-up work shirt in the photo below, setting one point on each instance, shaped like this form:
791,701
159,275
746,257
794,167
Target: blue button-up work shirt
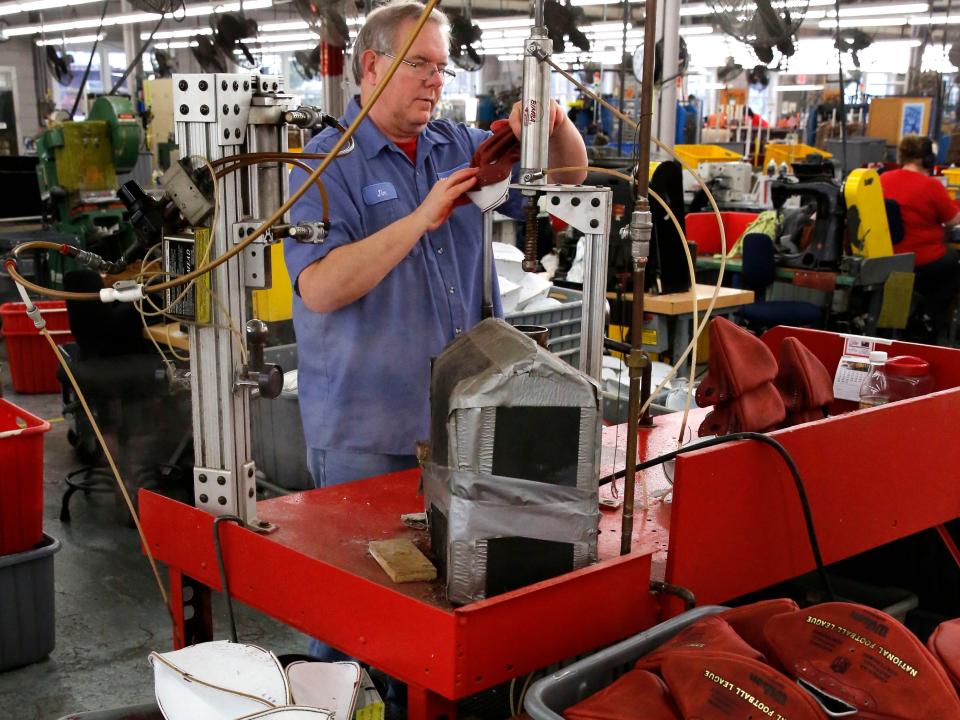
364,370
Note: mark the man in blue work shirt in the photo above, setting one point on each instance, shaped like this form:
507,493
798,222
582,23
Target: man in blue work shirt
400,273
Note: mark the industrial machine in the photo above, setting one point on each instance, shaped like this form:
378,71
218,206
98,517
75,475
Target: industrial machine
846,221
79,161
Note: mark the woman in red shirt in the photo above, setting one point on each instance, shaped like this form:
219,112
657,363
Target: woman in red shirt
926,210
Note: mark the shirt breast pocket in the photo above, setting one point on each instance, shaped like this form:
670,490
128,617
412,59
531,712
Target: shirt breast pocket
382,205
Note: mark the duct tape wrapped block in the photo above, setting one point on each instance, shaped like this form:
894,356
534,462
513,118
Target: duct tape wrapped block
511,492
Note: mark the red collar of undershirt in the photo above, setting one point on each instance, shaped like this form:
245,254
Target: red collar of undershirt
409,148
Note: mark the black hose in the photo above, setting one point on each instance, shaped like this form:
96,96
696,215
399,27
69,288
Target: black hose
223,571
86,73
137,58
791,465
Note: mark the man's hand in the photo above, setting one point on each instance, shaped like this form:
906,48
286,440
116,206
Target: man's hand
437,206
557,118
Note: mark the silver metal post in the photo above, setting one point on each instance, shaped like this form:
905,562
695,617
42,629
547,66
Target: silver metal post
667,115
487,309
594,303
534,108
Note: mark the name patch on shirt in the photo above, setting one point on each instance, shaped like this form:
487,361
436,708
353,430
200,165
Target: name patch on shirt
378,192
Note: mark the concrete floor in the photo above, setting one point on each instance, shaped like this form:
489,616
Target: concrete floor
109,614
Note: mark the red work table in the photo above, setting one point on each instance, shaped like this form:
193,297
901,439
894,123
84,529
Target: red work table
732,525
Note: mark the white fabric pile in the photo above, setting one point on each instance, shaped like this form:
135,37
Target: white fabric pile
222,680
520,291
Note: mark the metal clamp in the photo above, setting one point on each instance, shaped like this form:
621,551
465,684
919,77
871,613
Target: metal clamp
584,208
308,232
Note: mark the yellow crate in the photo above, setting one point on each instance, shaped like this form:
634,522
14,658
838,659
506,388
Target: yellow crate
693,155
783,153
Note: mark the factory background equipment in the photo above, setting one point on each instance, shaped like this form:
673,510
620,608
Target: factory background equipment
79,161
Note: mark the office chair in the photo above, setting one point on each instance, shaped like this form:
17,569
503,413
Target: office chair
125,384
759,272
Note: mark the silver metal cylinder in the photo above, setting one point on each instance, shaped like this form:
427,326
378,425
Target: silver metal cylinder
640,231
535,108
594,305
667,115
487,265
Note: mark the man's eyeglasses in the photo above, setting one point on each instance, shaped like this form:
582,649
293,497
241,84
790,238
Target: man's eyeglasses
425,70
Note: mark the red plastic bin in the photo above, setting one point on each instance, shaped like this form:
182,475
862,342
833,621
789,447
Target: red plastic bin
21,479
33,366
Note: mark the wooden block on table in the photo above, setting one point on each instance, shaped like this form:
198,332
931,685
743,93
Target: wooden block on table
402,561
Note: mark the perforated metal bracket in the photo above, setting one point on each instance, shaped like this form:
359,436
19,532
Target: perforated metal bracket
269,84
257,265
234,92
584,208
194,98
215,492
242,229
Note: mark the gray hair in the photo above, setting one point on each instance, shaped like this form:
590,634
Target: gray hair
378,32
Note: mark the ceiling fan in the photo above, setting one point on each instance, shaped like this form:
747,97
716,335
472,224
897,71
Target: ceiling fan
761,25
325,18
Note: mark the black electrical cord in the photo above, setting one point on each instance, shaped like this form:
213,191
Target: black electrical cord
137,59
223,572
843,101
86,73
791,465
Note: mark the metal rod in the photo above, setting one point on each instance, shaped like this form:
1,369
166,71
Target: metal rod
623,72
594,304
640,229
843,102
486,310
646,98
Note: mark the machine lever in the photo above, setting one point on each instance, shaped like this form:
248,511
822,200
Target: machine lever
266,377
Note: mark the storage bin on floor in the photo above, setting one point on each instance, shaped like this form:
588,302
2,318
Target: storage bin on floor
27,618
21,479
33,366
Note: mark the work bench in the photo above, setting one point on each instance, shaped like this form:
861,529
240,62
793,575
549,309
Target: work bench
731,524
668,325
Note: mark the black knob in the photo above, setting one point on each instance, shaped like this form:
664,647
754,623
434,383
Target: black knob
270,382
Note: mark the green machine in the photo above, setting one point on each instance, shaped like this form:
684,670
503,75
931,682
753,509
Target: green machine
78,166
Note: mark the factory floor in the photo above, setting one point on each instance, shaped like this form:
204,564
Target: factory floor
109,614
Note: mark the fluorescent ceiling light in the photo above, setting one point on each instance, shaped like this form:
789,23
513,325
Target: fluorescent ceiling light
863,22
797,88
935,20
289,47
12,8
689,30
504,23
72,40
871,9
187,32
284,26
132,18
692,9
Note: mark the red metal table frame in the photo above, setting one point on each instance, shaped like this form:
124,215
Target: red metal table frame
733,526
